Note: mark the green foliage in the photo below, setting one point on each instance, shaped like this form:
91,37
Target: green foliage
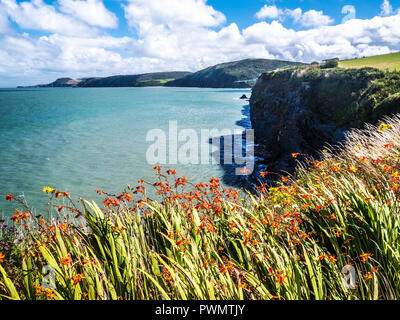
330,64
289,242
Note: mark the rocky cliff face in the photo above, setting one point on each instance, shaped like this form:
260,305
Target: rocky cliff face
303,109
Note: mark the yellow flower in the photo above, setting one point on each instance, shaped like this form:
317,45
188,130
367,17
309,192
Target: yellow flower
48,190
368,276
383,127
352,169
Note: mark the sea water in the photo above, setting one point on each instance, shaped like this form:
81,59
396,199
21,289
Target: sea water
84,139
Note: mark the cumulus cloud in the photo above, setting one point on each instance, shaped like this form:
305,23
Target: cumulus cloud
271,12
311,18
353,39
172,12
92,12
4,25
171,35
183,32
386,8
36,15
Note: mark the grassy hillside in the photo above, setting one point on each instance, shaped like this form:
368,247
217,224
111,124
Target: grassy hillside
295,240
383,62
238,74
142,80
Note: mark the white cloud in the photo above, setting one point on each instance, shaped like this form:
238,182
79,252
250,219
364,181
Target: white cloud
172,35
172,12
36,15
354,38
313,18
4,25
386,8
271,12
92,12
295,14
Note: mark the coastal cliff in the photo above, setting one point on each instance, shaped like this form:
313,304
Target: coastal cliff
237,74
301,110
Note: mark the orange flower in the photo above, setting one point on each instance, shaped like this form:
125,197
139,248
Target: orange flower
15,217
66,261
128,197
25,216
318,164
375,269
365,256
223,269
368,276
109,202
332,258
2,256
78,278
352,169
281,278
304,236
263,173
295,155
368,199
9,197
50,294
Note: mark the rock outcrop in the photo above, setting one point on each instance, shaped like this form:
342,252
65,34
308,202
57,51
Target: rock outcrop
301,110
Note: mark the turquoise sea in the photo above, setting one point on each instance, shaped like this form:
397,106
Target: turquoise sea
81,140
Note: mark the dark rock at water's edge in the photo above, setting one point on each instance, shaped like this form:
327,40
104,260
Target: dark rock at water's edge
302,110
243,97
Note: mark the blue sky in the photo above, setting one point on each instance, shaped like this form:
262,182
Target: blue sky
41,40
242,12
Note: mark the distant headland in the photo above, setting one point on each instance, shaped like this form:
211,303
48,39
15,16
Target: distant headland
237,74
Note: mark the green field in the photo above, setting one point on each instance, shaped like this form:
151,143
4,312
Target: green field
387,61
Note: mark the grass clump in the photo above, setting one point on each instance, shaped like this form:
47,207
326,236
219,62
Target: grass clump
294,240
